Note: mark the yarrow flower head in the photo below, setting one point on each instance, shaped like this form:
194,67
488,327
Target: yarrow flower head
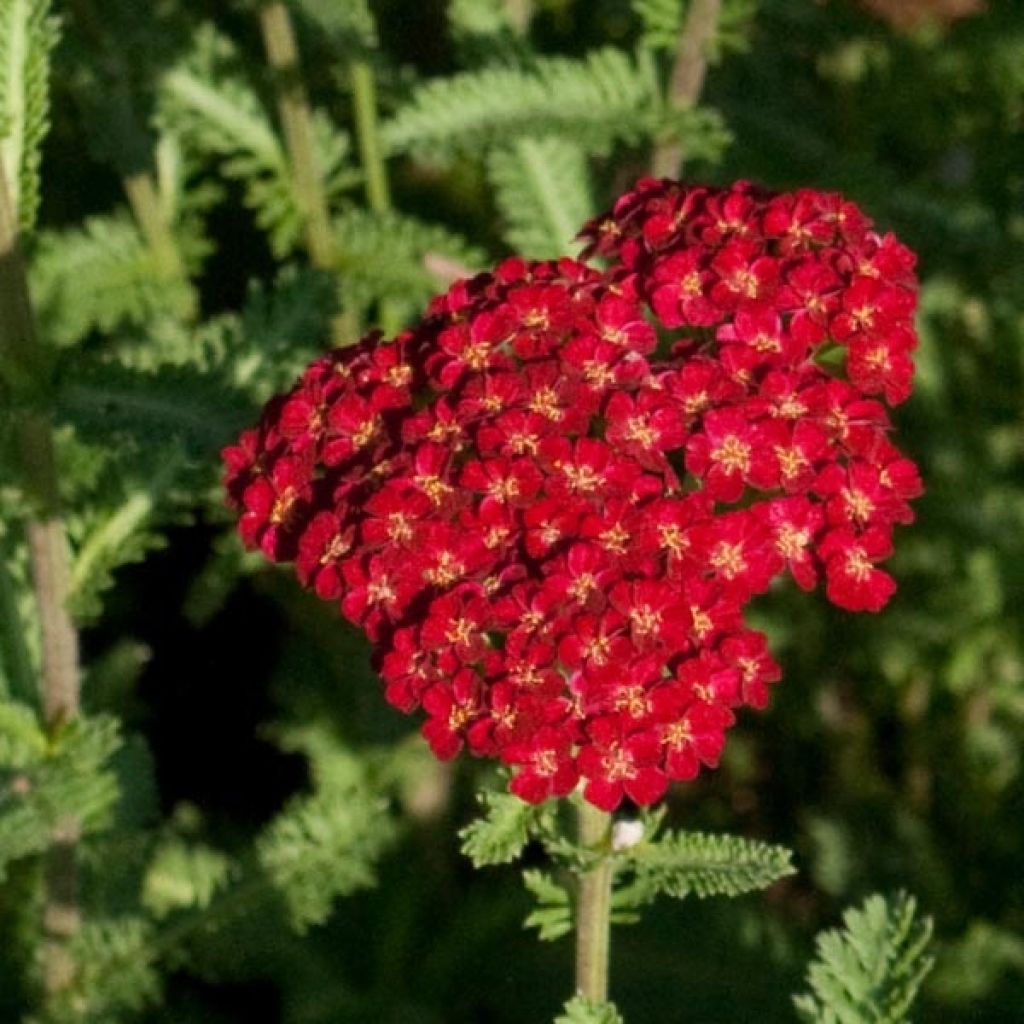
549,503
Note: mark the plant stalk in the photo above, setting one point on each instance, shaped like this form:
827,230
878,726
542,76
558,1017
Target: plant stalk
50,557
688,72
297,123
364,101
593,912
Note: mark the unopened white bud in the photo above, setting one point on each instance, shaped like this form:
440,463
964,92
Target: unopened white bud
626,834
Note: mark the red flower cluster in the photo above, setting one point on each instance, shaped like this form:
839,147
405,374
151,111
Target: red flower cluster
549,502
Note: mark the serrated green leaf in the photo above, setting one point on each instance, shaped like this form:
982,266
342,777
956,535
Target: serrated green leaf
349,26
170,404
542,190
871,971
605,97
115,972
68,778
99,277
213,109
383,260
679,864
552,916
582,1011
183,876
498,837
28,34
324,846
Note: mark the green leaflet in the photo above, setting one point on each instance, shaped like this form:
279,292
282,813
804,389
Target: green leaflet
870,972
542,189
606,97
44,781
498,837
215,112
392,260
100,276
681,864
28,34
183,876
582,1011
552,916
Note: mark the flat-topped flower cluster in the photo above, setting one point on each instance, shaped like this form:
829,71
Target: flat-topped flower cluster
549,502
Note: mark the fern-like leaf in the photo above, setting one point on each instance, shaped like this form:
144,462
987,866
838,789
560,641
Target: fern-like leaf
173,404
661,21
498,837
28,34
582,1011
349,26
870,972
115,972
213,108
542,190
680,864
42,783
552,916
326,845
384,262
598,100
183,876
99,277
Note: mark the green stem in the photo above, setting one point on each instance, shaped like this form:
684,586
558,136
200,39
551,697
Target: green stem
297,123
364,100
50,558
593,912
140,188
688,72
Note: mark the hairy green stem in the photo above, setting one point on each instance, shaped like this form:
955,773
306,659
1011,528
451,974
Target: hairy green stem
364,101
297,123
688,72
50,558
593,909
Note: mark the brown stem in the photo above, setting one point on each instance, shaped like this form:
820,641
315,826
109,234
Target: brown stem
50,559
688,72
593,910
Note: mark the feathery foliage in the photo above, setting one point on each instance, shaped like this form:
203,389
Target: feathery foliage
601,99
183,876
115,973
501,833
542,191
388,262
28,34
213,109
326,845
552,916
582,1011
350,26
870,972
100,277
45,780
680,864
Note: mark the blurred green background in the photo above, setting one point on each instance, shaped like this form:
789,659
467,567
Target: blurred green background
890,756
